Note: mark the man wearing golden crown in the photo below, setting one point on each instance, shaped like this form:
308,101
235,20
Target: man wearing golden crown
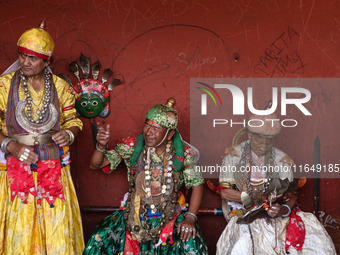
39,208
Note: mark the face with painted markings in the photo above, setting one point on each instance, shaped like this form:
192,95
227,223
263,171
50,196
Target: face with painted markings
90,105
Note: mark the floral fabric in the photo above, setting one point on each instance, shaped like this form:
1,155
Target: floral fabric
163,115
109,239
124,149
30,228
296,231
49,184
40,225
268,238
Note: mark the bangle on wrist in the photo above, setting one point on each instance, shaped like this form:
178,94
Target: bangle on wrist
192,214
246,199
287,214
4,144
99,149
71,135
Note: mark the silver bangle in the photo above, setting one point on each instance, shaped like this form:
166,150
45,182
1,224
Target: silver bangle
289,211
192,214
4,144
246,199
99,149
71,135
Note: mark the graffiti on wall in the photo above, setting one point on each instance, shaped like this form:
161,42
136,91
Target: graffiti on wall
281,57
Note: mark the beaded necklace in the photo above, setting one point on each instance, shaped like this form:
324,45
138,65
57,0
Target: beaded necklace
166,202
166,179
246,160
28,99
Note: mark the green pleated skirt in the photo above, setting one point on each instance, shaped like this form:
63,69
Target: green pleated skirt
109,238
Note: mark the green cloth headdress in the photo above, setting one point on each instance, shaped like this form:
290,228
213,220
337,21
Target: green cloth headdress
166,116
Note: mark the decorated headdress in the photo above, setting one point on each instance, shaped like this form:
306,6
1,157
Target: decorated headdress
267,126
164,114
37,42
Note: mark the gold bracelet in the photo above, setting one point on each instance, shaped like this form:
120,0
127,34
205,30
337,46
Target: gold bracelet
226,184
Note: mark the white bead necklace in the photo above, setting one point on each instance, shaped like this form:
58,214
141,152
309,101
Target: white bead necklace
167,173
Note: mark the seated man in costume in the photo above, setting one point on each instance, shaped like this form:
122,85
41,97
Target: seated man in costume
158,163
259,202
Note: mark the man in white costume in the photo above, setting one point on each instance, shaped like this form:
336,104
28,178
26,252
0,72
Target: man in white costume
258,200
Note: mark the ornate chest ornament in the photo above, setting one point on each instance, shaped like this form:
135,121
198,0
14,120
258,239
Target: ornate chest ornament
23,110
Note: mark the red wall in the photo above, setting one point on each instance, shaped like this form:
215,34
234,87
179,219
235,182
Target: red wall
156,46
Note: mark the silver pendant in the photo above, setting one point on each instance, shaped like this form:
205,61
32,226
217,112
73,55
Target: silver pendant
35,128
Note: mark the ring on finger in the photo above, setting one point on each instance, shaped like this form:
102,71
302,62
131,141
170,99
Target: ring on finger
190,230
183,228
26,153
23,157
27,150
186,230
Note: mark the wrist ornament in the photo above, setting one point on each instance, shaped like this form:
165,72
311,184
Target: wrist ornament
99,149
287,214
71,136
4,144
246,200
191,214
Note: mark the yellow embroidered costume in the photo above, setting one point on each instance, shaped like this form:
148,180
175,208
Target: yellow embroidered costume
39,211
